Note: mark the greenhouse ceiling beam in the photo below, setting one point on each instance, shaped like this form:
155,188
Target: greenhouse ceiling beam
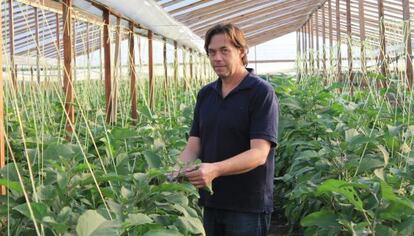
205,10
264,13
186,7
272,12
272,24
270,34
56,7
229,12
170,3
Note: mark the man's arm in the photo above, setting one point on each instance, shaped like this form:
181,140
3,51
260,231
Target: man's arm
241,163
191,150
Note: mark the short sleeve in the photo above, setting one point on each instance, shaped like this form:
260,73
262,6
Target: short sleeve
265,116
195,127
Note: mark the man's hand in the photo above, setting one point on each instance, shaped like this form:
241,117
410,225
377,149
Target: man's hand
203,176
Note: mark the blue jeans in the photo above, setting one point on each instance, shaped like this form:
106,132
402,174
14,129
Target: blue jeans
219,222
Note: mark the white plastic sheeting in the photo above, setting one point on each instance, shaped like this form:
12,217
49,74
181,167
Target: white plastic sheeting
150,15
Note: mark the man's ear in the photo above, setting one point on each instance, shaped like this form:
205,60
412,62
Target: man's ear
243,52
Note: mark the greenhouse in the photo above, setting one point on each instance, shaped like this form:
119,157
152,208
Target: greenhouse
121,118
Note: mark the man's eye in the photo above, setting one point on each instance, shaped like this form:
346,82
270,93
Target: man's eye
224,51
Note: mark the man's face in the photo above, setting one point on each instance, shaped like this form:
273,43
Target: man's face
224,56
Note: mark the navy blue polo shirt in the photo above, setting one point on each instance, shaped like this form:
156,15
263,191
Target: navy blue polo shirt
225,127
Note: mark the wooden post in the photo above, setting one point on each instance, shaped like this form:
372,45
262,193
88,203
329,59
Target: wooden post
100,54
151,71
58,46
324,73
134,111
364,81
107,64
175,62
11,45
338,44
67,54
2,132
349,32
381,59
74,51
36,15
407,43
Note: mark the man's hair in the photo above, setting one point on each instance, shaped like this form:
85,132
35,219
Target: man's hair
233,33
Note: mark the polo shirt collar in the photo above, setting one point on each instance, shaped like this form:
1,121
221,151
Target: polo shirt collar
246,83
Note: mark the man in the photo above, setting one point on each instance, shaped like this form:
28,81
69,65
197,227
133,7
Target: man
234,133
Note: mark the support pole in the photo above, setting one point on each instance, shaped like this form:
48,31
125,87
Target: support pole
324,73
330,35
117,72
165,64
134,111
349,33
151,71
407,43
316,23
58,47
364,81
11,45
381,59
298,56
311,43
164,55
184,69
74,51
67,54
338,44
305,51
36,15
175,62
2,132
191,66
88,50
107,64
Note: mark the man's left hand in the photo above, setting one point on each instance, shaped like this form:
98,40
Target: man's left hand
203,176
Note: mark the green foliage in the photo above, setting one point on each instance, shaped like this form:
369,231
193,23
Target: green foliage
106,179
344,165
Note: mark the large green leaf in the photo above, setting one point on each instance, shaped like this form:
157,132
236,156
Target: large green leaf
153,160
190,224
91,223
138,219
53,151
163,232
388,194
407,226
14,185
39,209
322,219
343,188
